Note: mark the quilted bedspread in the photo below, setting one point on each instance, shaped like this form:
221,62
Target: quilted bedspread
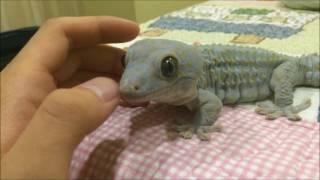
134,142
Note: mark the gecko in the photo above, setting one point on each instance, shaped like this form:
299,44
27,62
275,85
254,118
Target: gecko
204,78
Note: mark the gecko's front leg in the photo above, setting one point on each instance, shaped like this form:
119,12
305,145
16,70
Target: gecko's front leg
207,107
207,113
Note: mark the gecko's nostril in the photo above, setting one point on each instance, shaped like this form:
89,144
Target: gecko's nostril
136,88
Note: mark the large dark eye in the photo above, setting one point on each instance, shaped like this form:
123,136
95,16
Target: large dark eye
169,66
123,60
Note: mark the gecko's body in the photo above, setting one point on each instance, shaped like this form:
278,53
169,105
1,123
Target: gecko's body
241,74
205,77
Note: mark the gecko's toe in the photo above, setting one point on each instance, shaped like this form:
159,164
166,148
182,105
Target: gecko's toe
264,111
210,128
293,117
206,128
302,106
186,134
203,135
203,132
266,104
182,129
274,115
291,112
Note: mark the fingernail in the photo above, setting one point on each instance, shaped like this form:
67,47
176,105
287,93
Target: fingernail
105,88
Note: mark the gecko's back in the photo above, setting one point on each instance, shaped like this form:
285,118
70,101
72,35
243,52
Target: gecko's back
238,74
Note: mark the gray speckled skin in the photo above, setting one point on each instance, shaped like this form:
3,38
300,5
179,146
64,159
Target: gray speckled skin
211,75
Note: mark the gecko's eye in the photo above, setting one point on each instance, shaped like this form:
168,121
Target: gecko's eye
169,66
123,60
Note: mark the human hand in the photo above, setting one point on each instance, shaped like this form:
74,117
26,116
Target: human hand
48,104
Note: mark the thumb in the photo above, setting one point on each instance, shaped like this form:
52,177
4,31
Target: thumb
79,110
63,119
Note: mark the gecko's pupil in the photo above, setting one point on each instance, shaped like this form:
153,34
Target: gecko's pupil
169,66
123,60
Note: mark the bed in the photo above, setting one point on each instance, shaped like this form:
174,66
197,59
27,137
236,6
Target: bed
134,144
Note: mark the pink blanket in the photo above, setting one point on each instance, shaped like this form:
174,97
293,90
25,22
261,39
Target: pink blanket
133,144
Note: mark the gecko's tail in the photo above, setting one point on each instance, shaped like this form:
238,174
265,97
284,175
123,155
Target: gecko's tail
310,64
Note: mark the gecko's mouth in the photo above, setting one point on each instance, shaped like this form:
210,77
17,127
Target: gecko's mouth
160,94
136,98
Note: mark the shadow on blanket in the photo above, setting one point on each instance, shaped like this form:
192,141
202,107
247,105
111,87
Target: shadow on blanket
103,167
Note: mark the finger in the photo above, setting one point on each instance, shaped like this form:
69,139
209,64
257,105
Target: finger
60,123
49,47
102,58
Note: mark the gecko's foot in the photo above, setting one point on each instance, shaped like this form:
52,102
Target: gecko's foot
273,111
203,132
187,134
183,130
187,130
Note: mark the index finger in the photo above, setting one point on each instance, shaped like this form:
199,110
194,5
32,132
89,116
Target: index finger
50,46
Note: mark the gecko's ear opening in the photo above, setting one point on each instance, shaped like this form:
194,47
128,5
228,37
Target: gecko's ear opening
169,67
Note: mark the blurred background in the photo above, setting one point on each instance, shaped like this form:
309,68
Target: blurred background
23,13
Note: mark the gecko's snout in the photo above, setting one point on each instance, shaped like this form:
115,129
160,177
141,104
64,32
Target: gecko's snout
131,93
129,90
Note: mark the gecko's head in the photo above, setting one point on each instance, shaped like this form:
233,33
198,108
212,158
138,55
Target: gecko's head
162,71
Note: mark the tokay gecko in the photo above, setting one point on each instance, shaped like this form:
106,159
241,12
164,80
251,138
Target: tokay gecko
205,77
